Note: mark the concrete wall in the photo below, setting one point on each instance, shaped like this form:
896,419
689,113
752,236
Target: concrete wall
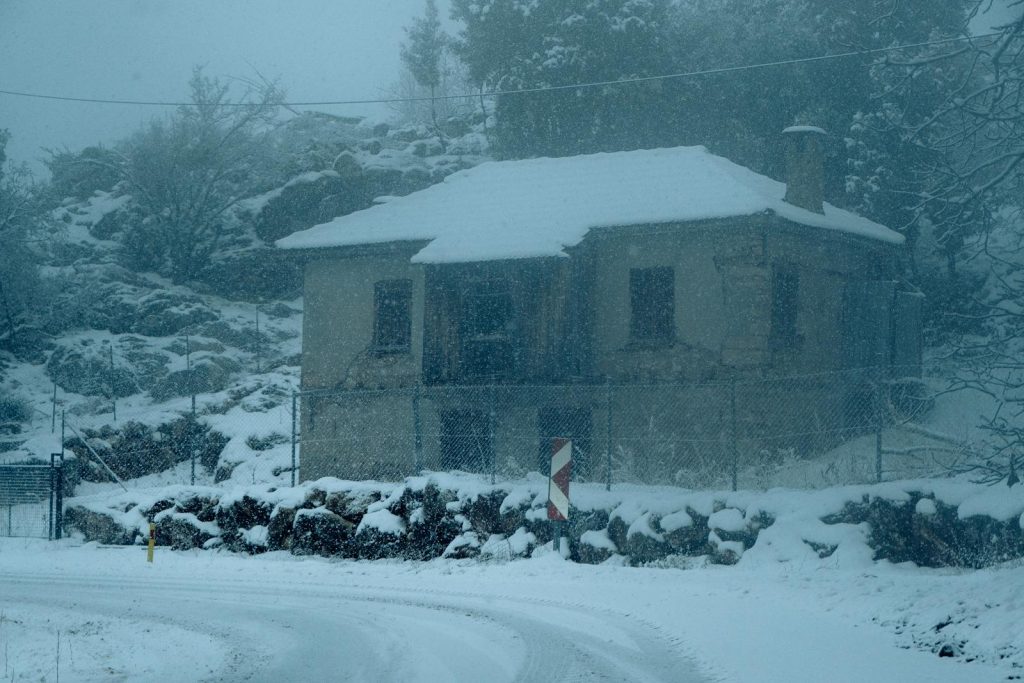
723,288
359,435
369,438
337,329
723,272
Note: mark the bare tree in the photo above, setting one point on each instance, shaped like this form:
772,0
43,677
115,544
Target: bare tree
185,172
966,190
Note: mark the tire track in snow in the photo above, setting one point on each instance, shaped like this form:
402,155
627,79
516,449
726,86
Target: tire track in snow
524,638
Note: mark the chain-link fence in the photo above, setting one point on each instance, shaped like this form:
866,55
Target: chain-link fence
738,433
809,430
31,500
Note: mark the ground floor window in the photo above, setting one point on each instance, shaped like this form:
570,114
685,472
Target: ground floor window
466,440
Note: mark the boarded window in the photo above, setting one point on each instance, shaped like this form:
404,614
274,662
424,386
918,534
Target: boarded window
465,440
785,306
392,316
867,312
486,329
652,301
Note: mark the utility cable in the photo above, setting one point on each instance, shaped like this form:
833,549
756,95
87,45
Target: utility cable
521,91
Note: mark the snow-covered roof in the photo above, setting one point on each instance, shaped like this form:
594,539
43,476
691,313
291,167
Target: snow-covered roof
804,129
539,207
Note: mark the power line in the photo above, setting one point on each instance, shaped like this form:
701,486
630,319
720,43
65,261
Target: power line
523,91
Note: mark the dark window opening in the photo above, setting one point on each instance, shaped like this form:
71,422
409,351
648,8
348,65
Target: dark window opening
466,442
392,316
785,307
486,331
569,423
652,300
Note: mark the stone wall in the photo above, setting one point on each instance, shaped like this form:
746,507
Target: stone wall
423,519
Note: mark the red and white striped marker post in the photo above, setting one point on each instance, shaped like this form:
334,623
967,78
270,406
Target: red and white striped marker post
558,486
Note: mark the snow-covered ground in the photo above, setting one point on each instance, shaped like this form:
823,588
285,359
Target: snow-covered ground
218,616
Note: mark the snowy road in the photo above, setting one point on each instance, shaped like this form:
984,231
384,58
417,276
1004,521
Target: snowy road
360,633
91,614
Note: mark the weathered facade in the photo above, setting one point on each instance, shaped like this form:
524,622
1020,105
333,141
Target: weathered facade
458,365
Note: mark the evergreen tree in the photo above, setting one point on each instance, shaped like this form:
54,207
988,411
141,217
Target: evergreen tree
423,55
20,215
510,45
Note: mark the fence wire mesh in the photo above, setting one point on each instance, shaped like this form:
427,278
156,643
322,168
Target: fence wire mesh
738,433
27,500
809,430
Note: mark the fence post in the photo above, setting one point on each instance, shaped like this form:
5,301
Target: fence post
608,432
53,492
58,506
295,404
113,390
53,411
258,345
491,418
878,427
417,431
188,368
734,434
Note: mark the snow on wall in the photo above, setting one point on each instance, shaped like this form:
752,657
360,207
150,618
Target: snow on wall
539,207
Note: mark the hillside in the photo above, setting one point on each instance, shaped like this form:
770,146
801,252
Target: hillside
117,349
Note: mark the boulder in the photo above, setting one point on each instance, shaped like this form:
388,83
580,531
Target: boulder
484,513
207,376
243,513
380,534
162,313
182,530
253,274
96,526
84,368
463,547
594,547
318,531
686,532
644,540
280,529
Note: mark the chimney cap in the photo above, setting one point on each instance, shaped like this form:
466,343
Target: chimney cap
793,130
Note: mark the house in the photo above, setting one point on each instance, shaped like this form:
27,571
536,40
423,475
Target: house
462,325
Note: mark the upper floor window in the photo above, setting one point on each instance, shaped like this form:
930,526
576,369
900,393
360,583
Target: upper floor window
785,306
652,301
487,329
392,316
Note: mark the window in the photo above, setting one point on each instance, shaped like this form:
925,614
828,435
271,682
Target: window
392,316
465,440
486,330
785,306
652,300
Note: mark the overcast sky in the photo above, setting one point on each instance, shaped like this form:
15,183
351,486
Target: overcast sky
145,49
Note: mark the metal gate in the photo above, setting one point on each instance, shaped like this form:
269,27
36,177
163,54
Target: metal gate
31,501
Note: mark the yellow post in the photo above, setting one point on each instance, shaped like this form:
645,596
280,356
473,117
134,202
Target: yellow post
152,542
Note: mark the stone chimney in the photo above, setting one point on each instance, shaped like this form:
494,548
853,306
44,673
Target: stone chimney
805,167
